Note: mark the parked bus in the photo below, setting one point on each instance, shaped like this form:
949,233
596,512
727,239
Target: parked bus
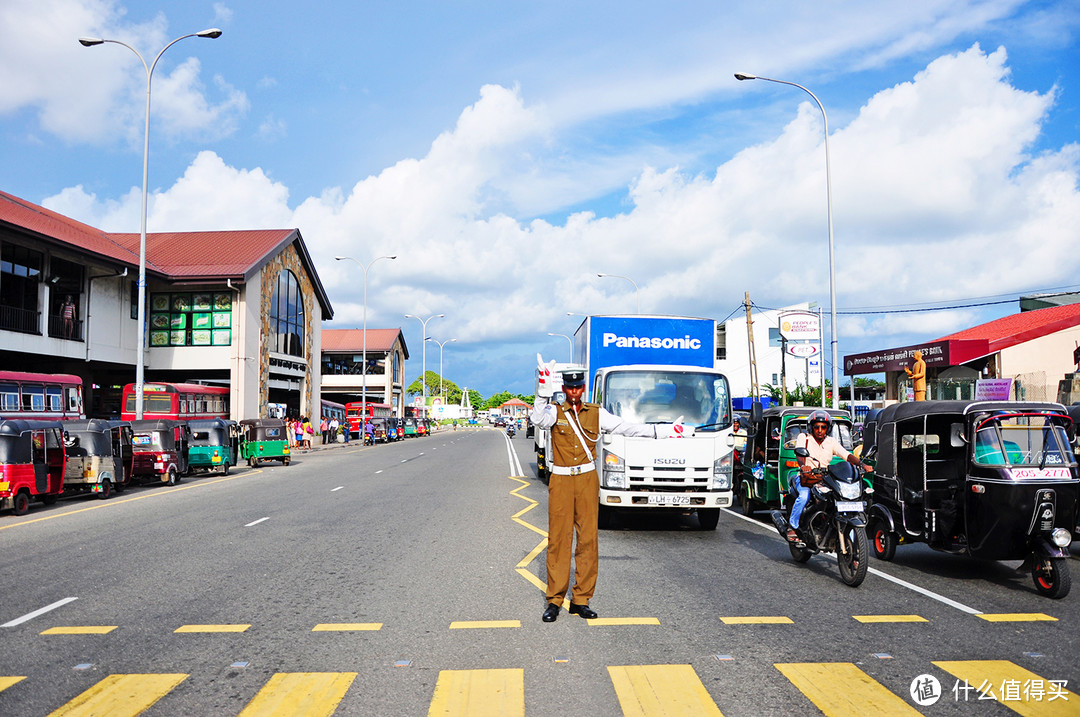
51,396
332,410
374,410
181,401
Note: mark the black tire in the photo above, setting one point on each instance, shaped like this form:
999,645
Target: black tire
746,504
285,461
50,498
854,563
882,540
225,468
800,555
20,504
173,478
1052,577
708,518
604,518
106,490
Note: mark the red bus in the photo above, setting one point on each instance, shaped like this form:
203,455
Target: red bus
374,410
54,396
177,400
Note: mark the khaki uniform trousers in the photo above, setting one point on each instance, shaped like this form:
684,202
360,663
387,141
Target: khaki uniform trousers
573,504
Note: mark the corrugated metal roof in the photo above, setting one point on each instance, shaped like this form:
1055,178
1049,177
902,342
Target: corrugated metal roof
353,340
1018,328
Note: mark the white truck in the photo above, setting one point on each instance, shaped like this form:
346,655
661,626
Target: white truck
659,369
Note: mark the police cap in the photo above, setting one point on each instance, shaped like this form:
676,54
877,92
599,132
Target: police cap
573,379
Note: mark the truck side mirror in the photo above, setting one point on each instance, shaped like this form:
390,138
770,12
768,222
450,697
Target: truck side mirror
755,412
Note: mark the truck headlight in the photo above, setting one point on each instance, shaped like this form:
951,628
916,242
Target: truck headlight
721,478
614,471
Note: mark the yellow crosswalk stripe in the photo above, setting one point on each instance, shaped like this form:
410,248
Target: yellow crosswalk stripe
1015,617
80,630
212,628
6,681
347,626
479,693
861,694
300,693
599,621
662,691
1020,690
469,624
765,620
121,696
890,618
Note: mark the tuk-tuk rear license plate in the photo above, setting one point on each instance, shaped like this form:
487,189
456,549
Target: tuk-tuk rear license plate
855,506
669,500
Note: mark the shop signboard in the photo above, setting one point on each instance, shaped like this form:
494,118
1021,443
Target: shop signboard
992,389
800,326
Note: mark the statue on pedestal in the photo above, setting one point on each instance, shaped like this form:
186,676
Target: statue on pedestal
917,373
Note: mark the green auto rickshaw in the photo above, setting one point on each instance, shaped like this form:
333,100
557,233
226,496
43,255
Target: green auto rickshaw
768,460
264,439
215,443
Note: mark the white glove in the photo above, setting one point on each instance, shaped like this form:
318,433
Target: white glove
545,376
676,429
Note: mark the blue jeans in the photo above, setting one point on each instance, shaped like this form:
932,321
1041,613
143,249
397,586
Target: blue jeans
800,502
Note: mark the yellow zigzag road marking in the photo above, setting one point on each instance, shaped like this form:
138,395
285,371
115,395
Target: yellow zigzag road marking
521,567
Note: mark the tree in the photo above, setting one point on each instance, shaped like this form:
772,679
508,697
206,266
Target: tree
453,393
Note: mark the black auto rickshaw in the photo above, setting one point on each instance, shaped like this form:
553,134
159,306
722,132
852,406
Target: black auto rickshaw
996,480
100,456
380,429
264,439
31,463
161,449
215,443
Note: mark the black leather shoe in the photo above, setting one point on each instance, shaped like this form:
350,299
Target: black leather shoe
551,612
584,610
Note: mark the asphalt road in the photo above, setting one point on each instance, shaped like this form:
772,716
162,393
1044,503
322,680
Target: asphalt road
408,578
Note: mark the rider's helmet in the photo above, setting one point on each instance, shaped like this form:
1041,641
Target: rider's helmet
820,416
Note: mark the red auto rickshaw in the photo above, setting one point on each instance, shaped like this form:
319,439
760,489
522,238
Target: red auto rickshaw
31,463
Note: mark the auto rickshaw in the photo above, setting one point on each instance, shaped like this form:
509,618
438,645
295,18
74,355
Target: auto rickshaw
264,439
380,429
422,426
996,480
409,425
31,463
100,456
161,449
768,458
394,430
215,443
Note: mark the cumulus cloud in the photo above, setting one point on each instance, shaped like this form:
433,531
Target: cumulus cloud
935,198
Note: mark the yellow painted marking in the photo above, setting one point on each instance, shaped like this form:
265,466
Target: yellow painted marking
300,693
662,691
890,618
993,674
841,688
1016,617
120,695
775,620
479,693
83,630
533,579
535,551
212,628
624,621
346,626
469,624
532,504
6,682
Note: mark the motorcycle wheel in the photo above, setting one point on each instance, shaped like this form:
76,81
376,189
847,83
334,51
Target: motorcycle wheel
853,564
800,555
1052,577
882,540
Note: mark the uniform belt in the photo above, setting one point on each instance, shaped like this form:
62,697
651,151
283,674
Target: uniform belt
572,470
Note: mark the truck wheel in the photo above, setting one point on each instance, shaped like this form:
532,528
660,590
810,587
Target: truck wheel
708,518
172,479
106,490
20,504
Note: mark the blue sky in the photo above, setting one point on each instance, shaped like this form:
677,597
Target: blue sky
509,154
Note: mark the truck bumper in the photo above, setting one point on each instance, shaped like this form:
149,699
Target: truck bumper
665,499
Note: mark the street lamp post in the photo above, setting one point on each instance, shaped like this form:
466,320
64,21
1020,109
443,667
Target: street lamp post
423,376
637,294
570,341
212,33
832,261
363,355
441,344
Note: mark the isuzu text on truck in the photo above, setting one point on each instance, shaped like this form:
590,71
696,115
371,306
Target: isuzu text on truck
659,369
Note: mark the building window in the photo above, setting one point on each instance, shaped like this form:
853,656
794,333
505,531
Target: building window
721,342
776,379
20,274
200,318
287,324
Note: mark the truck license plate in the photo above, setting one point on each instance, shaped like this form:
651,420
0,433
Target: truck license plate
850,507
669,500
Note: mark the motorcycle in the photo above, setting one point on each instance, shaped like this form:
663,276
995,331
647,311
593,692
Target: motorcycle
833,522
510,430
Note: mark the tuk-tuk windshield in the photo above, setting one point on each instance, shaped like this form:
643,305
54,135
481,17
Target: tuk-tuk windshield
1022,440
659,396
841,432
147,441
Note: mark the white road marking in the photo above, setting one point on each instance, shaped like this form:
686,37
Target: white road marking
256,522
336,489
31,615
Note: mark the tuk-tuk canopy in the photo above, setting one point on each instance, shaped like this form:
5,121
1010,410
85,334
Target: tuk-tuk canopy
211,431
92,437
16,438
262,429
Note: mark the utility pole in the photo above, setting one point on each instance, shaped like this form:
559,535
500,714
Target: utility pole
755,392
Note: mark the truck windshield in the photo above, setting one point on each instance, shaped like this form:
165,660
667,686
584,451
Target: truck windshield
1022,440
701,400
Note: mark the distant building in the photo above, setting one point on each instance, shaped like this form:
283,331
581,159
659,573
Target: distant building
733,352
343,375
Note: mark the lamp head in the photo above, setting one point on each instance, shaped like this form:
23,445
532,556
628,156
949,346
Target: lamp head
90,41
339,258
213,33
744,76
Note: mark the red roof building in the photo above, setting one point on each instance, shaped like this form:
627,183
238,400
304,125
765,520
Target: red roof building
343,374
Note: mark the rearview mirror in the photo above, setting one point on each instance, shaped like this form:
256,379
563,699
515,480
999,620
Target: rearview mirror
802,452
957,437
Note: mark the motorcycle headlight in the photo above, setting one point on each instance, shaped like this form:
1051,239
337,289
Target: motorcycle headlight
850,491
614,471
721,478
1061,537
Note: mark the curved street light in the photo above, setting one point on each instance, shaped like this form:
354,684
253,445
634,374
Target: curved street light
441,344
363,368
140,374
570,341
423,335
637,294
832,262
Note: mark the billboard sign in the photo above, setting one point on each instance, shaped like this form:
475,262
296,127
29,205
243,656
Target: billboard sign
803,350
800,326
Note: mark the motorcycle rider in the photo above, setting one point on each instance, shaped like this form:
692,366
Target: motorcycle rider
822,447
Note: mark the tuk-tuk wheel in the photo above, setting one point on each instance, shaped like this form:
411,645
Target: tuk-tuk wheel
746,503
285,461
172,476
20,504
225,468
106,490
882,540
1052,577
50,498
